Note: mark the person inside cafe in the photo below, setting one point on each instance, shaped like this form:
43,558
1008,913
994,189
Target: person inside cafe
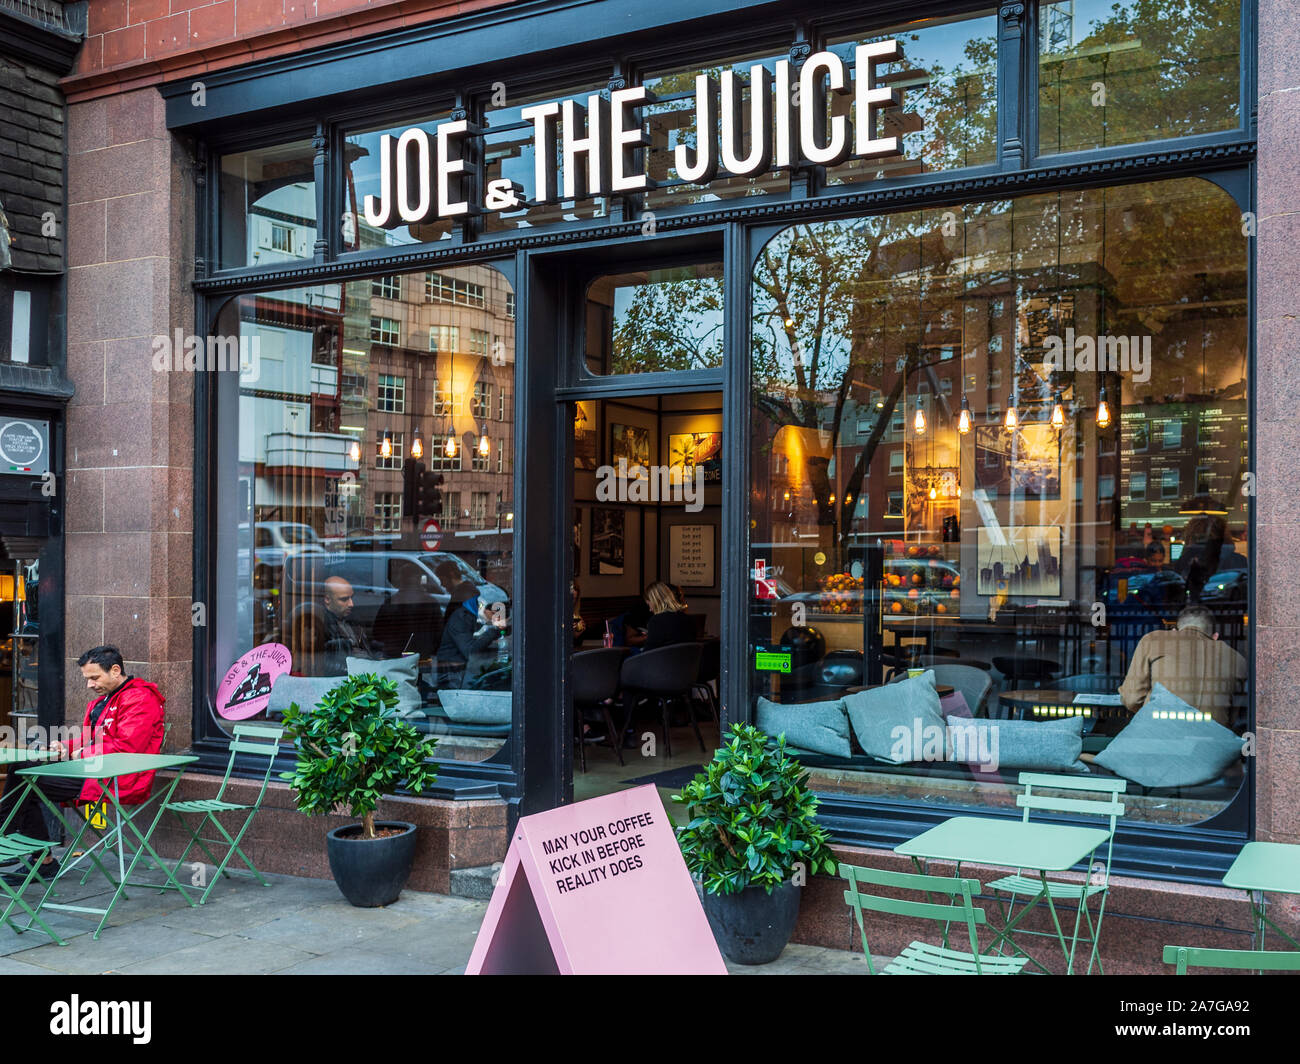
469,633
124,716
668,622
343,639
1191,662
410,620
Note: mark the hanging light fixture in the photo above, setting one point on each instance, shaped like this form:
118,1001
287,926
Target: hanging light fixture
354,452
1103,410
450,447
484,444
386,447
1058,412
1011,420
417,445
934,494
963,419
918,423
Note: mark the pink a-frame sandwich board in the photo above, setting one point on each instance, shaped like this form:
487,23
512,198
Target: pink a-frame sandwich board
596,888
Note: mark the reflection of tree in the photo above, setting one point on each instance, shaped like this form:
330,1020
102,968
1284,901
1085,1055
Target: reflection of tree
670,325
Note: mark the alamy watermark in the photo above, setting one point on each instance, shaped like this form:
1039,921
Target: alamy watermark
180,353
973,742
656,483
1116,354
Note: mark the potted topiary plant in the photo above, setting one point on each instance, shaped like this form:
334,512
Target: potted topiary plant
751,826
352,750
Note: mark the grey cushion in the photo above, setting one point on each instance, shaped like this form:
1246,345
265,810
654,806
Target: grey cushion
1158,749
476,707
821,727
891,721
307,691
1048,745
402,672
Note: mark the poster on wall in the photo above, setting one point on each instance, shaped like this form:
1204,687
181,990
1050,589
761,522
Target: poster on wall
1026,462
584,436
630,444
688,450
690,555
1019,561
607,539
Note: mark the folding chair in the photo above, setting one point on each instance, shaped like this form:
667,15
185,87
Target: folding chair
1260,960
921,958
13,847
1029,887
257,740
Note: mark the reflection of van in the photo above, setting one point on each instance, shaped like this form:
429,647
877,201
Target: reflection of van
376,575
273,543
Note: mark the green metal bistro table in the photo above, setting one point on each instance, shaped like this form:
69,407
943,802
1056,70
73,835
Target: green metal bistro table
1261,866
1011,844
107,769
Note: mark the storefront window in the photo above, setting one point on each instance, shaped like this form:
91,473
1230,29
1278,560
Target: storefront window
656,320
341,532
268,205
1005,442
1124,72
947,85
361,178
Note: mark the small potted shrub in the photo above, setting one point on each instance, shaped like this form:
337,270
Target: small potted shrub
352,750
751,825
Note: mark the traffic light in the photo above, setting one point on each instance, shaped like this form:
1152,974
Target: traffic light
411,473
428,493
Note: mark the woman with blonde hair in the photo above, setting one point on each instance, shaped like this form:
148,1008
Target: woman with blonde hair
668,621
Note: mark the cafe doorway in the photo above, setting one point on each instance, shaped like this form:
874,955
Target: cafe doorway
645,560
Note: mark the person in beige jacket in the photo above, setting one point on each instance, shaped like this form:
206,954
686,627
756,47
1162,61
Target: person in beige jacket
1192,663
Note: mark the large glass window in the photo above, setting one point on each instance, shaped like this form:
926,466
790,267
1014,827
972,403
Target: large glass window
1035,542
655,320
340,526
1124,71
362,164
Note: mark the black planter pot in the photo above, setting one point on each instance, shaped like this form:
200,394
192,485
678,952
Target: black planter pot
371,872
753,927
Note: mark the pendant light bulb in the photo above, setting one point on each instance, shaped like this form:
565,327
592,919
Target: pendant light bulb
484,444
450,448
918,423
963,419
1011,421
386,447
1058,412
1103,410
417,446
354,452
933,493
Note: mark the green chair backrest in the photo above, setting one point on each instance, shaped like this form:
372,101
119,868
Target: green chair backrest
259,740
1106,805
953,911
1250,959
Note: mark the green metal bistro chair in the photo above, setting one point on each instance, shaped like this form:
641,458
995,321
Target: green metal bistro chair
1260,960
257,740
1029,887
921,958
33,851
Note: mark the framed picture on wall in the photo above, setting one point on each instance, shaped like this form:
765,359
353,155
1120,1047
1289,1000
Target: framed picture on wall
630,443
687,450
607,541
1019,561
1026,461
690,555
584,436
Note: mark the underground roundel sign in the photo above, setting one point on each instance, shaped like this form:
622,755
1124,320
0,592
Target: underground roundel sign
246,689
430,535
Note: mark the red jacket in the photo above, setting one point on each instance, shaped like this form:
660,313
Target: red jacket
131,723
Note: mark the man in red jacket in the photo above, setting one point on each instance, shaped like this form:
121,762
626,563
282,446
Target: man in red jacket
125,716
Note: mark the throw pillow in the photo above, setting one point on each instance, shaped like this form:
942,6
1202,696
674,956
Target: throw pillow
1032,745
1165,745
819,727
899,722
476,707
307,691
402,672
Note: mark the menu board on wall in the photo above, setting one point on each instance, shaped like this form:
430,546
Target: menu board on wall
690,555
1172,451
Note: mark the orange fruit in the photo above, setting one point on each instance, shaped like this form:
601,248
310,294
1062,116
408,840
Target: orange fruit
896,607
914,593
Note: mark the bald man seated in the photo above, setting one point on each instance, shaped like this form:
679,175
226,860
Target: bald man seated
343,639
1192,663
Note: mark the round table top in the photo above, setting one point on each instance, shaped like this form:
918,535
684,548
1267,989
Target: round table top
944,689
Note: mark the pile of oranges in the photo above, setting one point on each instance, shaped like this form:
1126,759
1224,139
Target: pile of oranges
841,593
